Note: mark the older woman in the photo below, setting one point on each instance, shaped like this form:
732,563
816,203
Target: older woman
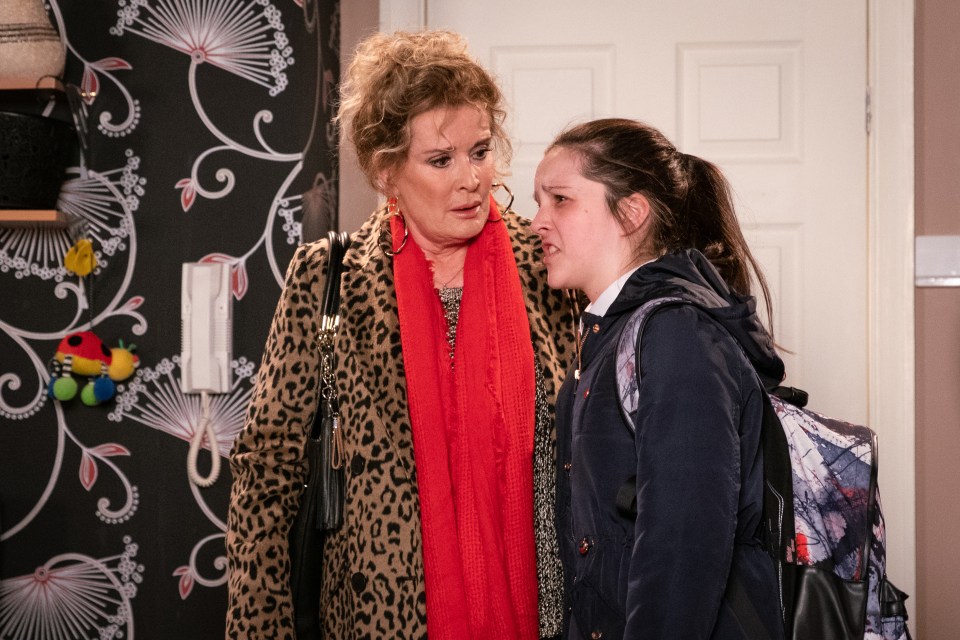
449,353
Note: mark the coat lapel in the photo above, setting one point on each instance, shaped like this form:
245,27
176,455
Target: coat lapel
373,328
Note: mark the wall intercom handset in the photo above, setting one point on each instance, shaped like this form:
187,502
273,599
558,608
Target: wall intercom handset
206,311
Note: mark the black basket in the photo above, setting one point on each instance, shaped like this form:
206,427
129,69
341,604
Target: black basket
34,154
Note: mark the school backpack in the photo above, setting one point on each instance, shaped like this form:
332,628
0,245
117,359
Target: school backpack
822,521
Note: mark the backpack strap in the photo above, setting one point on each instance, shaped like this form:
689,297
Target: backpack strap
628,356
628,385
778,529
792,395
777,523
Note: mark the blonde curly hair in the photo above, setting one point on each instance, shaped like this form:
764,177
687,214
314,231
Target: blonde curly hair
395,77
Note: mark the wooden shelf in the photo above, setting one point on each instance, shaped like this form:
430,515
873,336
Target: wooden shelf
20,83
32,218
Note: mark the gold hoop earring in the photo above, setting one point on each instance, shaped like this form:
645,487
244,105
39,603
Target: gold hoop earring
385,237
499,185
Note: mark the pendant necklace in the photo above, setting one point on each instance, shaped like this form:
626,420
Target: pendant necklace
454,276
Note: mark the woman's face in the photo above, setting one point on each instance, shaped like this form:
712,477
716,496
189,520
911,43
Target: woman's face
443,187
584,246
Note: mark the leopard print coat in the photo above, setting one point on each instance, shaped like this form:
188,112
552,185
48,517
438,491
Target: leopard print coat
373,568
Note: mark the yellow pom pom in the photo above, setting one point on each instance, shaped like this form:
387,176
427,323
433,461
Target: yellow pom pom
80,259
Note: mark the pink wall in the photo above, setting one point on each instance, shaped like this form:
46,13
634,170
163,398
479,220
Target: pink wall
937,322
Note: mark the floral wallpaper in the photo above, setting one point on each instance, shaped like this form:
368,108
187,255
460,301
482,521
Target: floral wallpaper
205,122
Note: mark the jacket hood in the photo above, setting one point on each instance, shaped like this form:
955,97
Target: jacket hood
690,276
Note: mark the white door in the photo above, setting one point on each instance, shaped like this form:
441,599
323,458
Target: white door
774,93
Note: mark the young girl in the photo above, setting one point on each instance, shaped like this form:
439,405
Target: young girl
626,218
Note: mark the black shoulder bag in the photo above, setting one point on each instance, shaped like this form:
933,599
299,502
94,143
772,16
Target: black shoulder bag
321,505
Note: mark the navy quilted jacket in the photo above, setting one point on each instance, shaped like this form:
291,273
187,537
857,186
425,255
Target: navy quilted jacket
695,455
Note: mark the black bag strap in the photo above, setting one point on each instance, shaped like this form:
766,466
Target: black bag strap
321,505
338,242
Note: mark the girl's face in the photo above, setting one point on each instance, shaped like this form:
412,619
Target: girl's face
584,246
443,187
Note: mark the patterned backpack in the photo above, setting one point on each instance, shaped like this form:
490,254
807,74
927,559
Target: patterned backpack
822,521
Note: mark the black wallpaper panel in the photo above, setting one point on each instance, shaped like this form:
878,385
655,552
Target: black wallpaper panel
206,122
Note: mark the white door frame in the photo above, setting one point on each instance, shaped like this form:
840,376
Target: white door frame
890,250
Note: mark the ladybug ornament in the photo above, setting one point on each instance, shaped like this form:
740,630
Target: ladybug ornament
83,353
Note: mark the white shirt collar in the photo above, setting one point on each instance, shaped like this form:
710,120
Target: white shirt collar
600,306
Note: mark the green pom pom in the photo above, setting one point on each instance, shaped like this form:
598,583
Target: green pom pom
65,389
89,395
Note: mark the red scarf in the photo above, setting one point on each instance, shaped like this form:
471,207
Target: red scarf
472,440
